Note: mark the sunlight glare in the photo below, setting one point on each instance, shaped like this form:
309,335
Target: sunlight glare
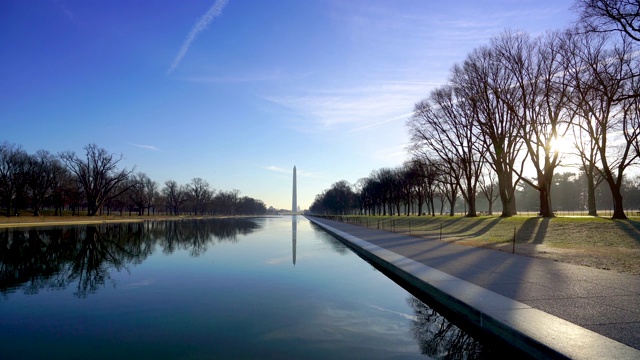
561,145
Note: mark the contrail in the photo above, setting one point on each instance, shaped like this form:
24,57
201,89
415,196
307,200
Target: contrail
199,27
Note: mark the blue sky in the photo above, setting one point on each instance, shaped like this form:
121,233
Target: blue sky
237,92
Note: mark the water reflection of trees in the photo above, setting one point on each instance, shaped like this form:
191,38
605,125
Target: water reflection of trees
40,258
441,339
196,235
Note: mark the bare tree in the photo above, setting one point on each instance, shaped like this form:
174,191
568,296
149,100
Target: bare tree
60,189
98,174
42,171
610,15
226,202
488,186
423,177
488,87
138,192
338,200
414,171
151,194
602,80
199,194
443,125
386,179
372,195
175,196
447,192
537,69
13,175
69,191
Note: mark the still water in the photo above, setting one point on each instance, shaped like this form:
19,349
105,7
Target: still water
276,287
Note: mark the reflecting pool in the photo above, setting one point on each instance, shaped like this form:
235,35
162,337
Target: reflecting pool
276,287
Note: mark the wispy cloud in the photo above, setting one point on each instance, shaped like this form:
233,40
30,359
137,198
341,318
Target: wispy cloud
199,27
65,10
279,169
146,147
393,152
299,172
396,118
359,107
233,79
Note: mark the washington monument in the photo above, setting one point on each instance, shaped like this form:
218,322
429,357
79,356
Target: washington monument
294,202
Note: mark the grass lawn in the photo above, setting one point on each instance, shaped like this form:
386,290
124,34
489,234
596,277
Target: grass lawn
584,240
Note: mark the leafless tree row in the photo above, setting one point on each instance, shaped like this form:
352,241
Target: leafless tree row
416,187
506,108
508,103
94,181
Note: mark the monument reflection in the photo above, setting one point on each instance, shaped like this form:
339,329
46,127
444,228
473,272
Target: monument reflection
294,236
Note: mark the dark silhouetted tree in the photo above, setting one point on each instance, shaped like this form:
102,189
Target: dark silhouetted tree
610,15
98,174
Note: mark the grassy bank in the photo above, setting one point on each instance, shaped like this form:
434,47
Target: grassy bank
590,241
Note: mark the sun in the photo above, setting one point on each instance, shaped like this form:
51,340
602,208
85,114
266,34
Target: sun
562,145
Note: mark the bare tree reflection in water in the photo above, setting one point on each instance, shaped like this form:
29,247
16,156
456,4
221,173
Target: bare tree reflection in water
195,235
441,339
99,252
25,259
36,259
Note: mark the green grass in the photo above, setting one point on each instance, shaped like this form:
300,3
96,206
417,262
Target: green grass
561,232
589,241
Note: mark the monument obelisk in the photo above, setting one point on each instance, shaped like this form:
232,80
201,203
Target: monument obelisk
294,202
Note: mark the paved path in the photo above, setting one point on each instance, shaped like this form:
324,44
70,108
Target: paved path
550,309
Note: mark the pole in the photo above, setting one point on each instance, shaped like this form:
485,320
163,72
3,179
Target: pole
513,249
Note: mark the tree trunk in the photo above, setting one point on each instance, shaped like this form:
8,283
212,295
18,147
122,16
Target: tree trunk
544,191
591,194
618,210
472,212
452,205
545,203
507,199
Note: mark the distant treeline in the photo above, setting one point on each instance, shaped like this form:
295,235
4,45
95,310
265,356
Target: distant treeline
415,189
93,183
522,102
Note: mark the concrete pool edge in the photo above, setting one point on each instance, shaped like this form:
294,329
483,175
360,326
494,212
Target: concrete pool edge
535,332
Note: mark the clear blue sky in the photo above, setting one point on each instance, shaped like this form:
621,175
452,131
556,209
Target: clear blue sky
237,92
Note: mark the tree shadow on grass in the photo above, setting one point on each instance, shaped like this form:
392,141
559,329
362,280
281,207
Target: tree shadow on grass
450,222
471,225
630,227
533,230
486,228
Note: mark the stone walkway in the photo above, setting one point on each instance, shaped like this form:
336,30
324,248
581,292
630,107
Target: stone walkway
547,308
